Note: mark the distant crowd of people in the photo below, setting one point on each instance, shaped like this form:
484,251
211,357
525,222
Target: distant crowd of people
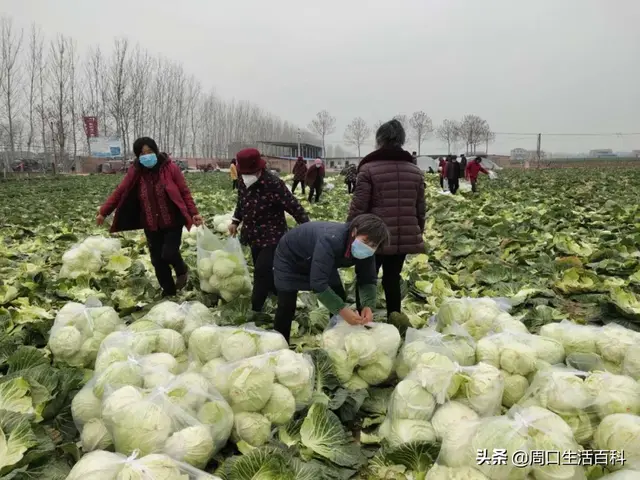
452,170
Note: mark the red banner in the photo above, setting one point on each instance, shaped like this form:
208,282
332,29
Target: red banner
90,126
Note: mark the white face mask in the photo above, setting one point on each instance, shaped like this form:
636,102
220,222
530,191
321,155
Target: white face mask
249,180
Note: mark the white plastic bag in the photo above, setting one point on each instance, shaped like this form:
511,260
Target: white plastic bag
184,317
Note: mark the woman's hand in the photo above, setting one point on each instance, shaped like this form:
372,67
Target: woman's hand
367,315
233,229
351,317
197,220
99,219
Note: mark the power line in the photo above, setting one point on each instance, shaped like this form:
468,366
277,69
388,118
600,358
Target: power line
571,134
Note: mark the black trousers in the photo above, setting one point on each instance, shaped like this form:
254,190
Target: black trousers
474,185
315,190
234,185
286,311
295,185
351,186
391,282
164,248
441,182
263,284
453,185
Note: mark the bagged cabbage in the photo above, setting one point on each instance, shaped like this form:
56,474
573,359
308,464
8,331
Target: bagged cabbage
478,316
78,331
221,222
362,355
102,465
221,266
458,347
523,429
631,362
89,256
620,432
573,337
230,344
185,418
183,318
264,391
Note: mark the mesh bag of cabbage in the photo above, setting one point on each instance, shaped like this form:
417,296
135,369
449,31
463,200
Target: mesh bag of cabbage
593,348
362,355
438,383
78,330
457,345
264,391
504,447
88,256
221,266
102,465
583,399
184,418
478,316
182,317
212,345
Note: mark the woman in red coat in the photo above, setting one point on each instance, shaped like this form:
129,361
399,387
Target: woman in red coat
473,170
154,196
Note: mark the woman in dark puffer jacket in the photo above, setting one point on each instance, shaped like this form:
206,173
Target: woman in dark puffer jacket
390,186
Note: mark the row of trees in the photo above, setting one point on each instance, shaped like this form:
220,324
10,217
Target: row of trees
469,132
46,89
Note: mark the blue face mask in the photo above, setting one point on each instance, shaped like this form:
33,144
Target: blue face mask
149,160
361,250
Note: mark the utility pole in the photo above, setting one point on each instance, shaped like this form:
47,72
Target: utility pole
299,150
538,150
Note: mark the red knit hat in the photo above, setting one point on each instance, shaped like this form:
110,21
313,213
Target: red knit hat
250,161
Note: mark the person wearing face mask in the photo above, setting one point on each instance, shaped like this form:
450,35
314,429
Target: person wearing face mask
390,185
315,180
154,196
263,199
308,258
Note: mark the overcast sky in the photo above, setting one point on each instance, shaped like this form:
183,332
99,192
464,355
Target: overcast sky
550,66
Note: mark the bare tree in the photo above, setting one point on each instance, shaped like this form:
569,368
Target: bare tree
73,103
402,118
323,125
357,133
472,129
34,68
448,132
422,127
11,45
119,78
488,137
59,76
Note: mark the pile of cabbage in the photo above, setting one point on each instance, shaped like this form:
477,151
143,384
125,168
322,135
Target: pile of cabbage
183,318
181,415
102,465
221,266
89,256
438,388
264,391
78,330
519,356
479,317
362,355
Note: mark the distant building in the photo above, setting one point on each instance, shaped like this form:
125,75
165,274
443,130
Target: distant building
635,153
278,149
522,155
602,153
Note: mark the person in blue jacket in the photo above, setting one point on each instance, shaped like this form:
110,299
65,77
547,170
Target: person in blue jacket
308,258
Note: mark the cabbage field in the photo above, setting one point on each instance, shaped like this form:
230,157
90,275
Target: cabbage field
520,332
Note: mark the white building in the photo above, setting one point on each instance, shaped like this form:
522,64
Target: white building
602,153
522,155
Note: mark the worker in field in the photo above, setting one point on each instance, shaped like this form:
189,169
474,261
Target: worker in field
263,199
474,168
233,173
315,180
350,173
308,259
414,158
452,173
441,164
392,187
154,196
463,165
299,173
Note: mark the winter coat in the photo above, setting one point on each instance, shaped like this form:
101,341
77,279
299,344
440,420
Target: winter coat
441,166
390,186
315,176
350,173
309,256
463,165
452,170
138,206
473,170
261,209
299,171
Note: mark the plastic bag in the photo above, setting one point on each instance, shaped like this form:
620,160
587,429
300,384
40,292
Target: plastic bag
493,175
88,256
184,317
362,355
458,347
501,448
465,186
264,391
78,331
219,345
221,266
104,465
467,392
